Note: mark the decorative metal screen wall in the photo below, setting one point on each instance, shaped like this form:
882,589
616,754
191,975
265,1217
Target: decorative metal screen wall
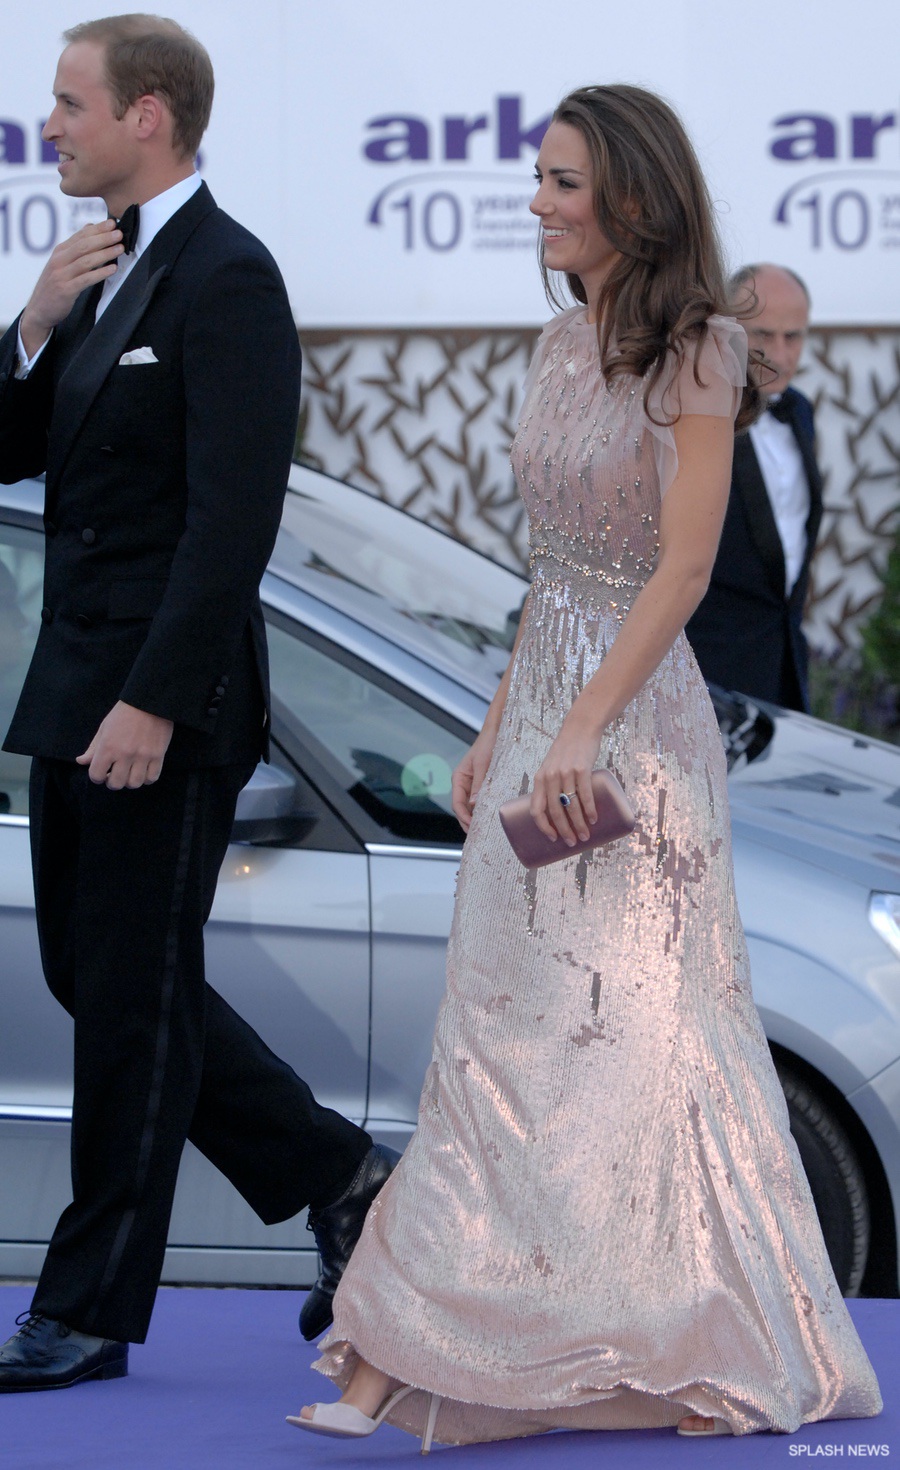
424,419
853,378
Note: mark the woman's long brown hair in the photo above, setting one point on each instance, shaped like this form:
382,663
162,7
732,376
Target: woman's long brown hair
652,204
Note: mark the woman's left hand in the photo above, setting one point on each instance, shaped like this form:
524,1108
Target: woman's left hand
566,770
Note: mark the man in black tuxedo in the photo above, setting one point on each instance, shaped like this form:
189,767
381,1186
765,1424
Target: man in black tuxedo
747,632
156,381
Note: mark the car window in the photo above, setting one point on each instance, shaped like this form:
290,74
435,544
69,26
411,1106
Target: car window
453,608
21,583
384,750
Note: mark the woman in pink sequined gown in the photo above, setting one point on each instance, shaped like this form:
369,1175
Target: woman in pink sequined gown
602,1221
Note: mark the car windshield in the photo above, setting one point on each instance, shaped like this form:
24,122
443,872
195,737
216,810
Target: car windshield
416,586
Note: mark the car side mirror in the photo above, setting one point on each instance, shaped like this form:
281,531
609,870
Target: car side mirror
269,810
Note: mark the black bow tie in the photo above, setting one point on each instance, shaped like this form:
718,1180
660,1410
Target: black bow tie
129,224
783,410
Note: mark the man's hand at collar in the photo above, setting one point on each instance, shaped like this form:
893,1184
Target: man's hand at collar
85,259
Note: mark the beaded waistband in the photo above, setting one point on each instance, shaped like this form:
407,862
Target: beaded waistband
540,555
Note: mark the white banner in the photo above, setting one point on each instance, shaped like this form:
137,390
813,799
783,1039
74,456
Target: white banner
385,153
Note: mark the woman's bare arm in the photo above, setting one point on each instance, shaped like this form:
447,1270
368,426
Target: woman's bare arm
691,519
470,772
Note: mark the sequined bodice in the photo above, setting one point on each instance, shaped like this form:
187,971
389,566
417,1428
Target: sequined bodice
587,473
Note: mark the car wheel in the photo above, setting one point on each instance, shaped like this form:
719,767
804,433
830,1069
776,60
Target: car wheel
835,1177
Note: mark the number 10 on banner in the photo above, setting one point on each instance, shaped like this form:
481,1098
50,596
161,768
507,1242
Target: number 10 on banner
29,223
845,211
433,220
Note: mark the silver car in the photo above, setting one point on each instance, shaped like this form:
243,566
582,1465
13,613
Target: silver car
330,924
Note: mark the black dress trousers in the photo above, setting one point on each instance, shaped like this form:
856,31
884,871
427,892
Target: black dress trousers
124,883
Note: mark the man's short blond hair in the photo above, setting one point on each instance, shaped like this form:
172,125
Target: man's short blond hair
147,53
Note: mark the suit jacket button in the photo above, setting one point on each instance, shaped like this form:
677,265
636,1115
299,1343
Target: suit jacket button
88,536
224,680
46,614
83,620
220,690
212,710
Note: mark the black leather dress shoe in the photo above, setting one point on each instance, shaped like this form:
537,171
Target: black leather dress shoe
337,1228
48,1354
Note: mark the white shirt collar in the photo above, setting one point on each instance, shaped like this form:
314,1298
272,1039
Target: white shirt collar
159,210
154,214
768,424
784,476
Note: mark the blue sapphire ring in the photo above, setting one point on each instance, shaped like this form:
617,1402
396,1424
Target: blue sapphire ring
565,797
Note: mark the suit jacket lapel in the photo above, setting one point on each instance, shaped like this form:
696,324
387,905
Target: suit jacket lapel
100,347
801,427
806,446
763,530
79,322
89,367
174,235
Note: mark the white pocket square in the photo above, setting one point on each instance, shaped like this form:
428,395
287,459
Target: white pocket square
137,355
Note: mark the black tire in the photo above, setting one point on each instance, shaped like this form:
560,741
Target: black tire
835,1177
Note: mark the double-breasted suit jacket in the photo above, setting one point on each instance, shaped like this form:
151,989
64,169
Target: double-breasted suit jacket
165,429
160,515
747,632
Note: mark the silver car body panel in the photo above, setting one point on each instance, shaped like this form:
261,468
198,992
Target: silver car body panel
412,905
877,1105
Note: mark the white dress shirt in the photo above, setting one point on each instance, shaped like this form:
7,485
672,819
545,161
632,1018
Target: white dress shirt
784,476
154,214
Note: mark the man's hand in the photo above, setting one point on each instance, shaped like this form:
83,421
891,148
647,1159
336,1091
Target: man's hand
85,258
128,749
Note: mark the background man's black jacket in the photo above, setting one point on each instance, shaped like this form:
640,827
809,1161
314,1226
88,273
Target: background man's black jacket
746,634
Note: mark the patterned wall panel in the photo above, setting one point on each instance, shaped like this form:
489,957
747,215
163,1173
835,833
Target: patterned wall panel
853,377
424,419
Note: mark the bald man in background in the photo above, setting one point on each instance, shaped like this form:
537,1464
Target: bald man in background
747,632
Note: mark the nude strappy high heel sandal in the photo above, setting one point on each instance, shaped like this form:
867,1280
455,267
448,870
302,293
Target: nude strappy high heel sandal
719,1426
342,1421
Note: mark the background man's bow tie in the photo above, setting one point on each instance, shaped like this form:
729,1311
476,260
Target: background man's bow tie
783,410
129,224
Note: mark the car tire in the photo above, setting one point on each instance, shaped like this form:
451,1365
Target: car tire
835,1176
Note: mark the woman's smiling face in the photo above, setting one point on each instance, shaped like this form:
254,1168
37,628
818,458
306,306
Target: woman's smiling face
564,203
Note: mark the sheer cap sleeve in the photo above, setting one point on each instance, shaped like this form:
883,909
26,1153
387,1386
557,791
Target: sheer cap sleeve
722,368
554,337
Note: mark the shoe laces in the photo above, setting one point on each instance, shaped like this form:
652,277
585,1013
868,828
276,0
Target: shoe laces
29,1322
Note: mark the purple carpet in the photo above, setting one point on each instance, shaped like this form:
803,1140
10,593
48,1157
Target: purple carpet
210,1390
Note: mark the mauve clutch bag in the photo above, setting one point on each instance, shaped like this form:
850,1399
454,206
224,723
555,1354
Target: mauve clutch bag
614,819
